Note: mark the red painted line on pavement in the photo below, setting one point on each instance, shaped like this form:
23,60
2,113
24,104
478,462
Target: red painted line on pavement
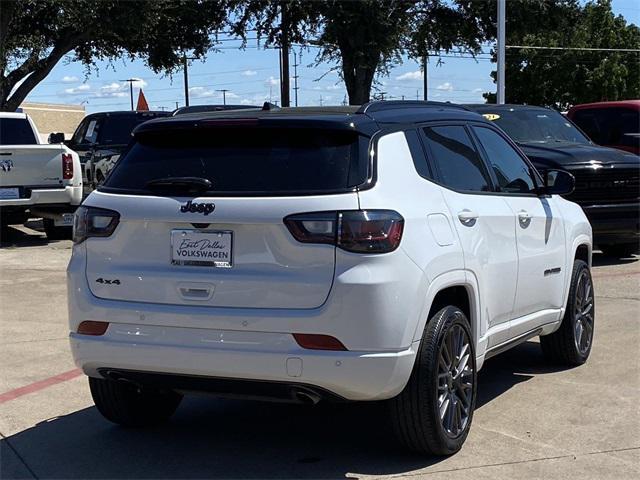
39,385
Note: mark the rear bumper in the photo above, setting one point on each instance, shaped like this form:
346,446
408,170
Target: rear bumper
619,223
371,310
69,195
267,357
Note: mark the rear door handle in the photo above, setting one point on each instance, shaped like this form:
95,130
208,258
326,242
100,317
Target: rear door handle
467,217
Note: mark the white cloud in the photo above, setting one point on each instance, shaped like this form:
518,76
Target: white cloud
410,76
478,90
70,79
201,92
446,86
79,90
118,89
272,81
112,88
336,86
249,73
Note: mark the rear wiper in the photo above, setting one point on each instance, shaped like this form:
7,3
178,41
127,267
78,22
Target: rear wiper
181,184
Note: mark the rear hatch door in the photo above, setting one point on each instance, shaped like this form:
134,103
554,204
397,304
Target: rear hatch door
227,246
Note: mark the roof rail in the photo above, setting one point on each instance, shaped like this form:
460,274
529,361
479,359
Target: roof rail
381,105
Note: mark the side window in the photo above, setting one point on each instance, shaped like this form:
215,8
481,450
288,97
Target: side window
417,153
458,163
79,133
512,172
92,132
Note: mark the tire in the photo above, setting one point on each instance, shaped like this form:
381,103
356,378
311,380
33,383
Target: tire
415,412
130,406
56,233
623,250
571,344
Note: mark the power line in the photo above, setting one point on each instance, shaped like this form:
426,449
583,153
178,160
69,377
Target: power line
586,49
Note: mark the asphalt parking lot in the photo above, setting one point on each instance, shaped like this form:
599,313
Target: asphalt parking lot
532,420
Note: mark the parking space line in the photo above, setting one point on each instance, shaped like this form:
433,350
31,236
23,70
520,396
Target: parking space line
39,385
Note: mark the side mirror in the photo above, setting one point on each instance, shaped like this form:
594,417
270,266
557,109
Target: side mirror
558,182
57,137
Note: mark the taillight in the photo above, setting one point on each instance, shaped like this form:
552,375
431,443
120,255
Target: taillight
67,166
93,222
359,231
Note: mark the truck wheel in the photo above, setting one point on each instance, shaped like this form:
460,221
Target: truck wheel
56,233
571,344
130,406
621,251
434,411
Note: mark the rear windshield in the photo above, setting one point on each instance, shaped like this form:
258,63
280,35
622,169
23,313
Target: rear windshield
536,126
246,161
16,131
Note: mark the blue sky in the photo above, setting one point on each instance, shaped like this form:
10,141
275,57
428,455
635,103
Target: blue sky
251,76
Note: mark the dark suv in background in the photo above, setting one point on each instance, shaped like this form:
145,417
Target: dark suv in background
607,180
100,139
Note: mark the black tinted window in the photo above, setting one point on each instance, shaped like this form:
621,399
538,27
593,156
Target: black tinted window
116,129
511,171
610,126
247,160
16,131
457,160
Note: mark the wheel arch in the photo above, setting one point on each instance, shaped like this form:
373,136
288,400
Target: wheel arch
451,288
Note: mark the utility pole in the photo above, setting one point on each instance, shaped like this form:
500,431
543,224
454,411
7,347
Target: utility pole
224,95
130,80
284,56
185,66
425,61
502,7
295,75
320,99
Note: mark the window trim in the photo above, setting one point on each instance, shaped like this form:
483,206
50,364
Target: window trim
537,182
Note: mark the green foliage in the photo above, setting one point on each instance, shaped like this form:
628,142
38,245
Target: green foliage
560,78
364,38
36,34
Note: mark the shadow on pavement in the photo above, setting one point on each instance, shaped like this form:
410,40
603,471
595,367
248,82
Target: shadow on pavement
14,236
602,260
240,439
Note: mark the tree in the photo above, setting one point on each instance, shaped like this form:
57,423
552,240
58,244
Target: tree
561,78
36,34
364,38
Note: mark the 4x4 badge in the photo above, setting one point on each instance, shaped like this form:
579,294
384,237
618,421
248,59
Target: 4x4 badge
194,207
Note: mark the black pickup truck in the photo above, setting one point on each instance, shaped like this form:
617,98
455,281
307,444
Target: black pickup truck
607,180
100,139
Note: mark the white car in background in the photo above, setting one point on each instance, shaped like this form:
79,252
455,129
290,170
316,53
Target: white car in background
36,180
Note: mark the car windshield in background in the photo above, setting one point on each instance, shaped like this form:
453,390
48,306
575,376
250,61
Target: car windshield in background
245,161
536,125
116,129
16,131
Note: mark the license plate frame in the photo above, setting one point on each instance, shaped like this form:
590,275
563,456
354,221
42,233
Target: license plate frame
202,241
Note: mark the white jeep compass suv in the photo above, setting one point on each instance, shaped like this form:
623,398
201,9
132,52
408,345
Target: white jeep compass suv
373,253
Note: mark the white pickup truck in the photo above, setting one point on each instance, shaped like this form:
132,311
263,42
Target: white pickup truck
36,180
